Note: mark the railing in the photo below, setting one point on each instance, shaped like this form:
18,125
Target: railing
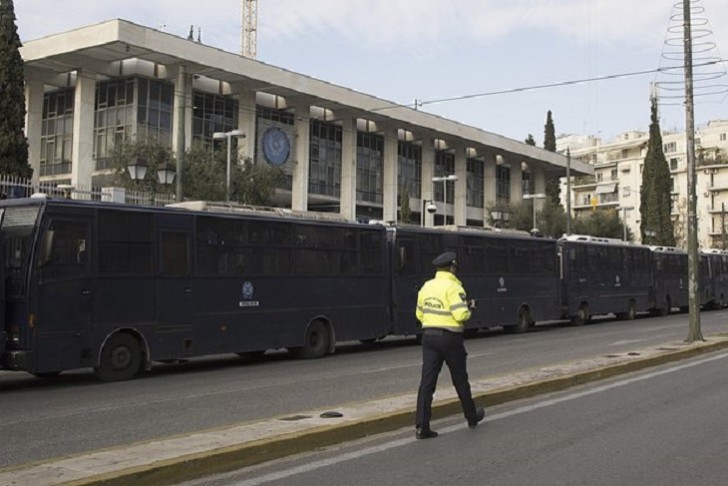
16,187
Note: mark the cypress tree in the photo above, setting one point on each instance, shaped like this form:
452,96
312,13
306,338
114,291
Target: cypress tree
530,140
655,202
13,144
549,143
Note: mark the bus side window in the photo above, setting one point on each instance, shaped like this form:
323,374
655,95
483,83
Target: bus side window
64,251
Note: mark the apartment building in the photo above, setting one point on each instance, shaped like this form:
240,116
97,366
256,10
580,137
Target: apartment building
618,177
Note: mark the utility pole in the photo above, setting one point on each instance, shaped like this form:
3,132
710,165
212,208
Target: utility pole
568,191
694,333
250,29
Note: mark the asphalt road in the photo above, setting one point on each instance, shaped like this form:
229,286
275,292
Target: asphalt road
664,426
41,419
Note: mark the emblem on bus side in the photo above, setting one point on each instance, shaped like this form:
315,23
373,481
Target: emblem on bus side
617,283
502,285
248,296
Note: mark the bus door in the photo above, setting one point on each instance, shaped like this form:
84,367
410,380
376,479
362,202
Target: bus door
407,281
174,334
63,302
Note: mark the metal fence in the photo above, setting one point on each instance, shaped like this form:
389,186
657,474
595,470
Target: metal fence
15,187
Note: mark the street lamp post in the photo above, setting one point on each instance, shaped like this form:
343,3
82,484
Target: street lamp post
650,235
228,136
499,216
444,179
533,197
138,170
429,206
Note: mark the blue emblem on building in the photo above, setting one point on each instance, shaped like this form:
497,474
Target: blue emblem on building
276,146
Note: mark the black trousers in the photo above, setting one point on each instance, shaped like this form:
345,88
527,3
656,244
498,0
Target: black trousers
440,347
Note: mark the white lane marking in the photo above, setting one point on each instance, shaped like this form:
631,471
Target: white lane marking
490,418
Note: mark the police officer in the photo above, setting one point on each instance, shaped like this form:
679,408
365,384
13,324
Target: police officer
442,309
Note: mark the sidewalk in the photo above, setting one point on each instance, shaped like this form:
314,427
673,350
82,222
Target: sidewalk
176,459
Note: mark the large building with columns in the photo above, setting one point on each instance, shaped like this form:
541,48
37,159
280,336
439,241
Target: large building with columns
341,150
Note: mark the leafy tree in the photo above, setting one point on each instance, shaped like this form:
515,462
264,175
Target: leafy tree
553,188
149,152
602,222
655,199
552,220
530,140
203,177
549,134
255,183
13,143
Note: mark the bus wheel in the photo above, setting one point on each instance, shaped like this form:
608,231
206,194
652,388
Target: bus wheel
316,342
120,359
581,316
631,312
668,307
524,322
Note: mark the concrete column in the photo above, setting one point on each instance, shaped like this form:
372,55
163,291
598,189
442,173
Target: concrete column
391,198
489,182
516,181
82,164
299,189
33,121
181,122
246,123
461,187
348,168
428,172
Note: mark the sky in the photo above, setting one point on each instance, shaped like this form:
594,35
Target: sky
496,56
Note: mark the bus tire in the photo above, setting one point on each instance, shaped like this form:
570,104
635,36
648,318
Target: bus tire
581,316
631,313
120,358
316,342
524,322
667,307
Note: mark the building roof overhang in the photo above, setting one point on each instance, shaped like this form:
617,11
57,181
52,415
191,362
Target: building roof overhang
94,48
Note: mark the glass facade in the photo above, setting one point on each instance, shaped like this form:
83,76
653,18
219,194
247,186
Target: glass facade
369,167
444,165
113,118
409,170
213,113
56,138
325,159
503,184
475,183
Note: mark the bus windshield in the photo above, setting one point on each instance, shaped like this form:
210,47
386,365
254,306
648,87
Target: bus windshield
17,234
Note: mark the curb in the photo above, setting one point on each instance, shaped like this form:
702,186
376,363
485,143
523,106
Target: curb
229,458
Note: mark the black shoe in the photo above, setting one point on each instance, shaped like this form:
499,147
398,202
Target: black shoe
425,433
479,415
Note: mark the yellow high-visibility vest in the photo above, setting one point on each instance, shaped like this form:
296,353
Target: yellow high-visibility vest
442,303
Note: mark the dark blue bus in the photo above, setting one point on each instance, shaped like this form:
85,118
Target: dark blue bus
670,279
604,276
116,287
513,277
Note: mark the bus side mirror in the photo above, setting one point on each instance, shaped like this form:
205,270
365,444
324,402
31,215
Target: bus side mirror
46,248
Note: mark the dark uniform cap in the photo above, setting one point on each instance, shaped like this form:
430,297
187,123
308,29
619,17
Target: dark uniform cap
445,260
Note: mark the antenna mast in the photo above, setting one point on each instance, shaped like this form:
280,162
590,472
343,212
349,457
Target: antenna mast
250,29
